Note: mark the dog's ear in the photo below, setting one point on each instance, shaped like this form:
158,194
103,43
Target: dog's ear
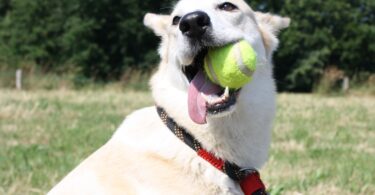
274,23
270,26
157,23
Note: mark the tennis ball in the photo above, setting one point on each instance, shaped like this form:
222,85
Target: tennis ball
232,65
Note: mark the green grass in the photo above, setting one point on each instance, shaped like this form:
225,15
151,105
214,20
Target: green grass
321,145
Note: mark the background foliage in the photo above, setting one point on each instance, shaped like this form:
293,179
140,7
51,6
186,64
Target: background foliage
102,39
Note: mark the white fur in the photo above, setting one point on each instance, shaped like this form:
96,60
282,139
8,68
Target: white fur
144,157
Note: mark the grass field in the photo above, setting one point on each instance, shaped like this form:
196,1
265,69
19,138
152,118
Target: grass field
321,145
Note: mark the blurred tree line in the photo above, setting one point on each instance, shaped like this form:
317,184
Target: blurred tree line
323,34
101,39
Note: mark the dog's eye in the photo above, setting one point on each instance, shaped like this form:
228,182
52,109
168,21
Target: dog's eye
176,20
227,7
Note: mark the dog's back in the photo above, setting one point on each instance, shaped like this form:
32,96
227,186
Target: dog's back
136,161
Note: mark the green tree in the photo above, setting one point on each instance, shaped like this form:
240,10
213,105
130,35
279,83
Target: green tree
4,7
32,31
322,33
114,37
99,38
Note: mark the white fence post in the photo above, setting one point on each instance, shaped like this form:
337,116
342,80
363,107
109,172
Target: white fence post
19,79
345,84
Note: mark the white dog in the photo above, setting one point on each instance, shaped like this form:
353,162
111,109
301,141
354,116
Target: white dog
202,139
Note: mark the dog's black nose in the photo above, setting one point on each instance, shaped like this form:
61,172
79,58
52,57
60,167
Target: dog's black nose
195,24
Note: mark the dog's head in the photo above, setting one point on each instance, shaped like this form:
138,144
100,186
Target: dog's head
192,28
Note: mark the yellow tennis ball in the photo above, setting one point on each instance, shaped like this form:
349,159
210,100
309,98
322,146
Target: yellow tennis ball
232,65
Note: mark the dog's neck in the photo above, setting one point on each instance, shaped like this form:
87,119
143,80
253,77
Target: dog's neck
247,178
243,137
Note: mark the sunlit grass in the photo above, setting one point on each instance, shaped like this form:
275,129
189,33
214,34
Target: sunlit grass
44,134
321,145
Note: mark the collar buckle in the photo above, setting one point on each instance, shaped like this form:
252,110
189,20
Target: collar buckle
248,171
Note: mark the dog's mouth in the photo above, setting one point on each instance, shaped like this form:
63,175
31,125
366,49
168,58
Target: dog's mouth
206,98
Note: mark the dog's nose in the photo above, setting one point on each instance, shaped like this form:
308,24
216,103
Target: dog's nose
195,24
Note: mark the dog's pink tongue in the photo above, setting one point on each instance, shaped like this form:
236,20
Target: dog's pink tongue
196,103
